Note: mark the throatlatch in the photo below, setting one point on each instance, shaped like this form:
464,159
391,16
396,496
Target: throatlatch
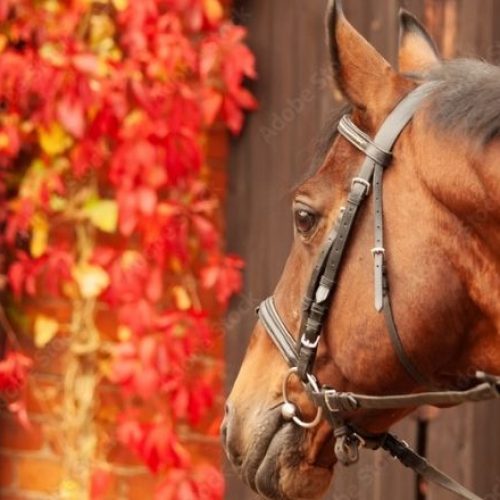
301,354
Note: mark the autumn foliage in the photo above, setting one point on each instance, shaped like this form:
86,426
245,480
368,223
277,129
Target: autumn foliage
104,112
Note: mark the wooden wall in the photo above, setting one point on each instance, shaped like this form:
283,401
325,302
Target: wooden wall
272,155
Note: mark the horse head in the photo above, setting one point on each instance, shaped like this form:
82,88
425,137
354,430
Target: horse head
441,258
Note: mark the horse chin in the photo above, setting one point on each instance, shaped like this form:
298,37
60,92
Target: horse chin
276,469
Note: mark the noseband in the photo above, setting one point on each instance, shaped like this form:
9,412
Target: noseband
301,354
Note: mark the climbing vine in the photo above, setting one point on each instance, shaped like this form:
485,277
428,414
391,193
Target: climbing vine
109,206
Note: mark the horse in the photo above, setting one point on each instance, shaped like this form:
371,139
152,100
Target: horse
437,251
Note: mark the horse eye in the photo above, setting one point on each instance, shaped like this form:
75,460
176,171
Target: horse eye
305,221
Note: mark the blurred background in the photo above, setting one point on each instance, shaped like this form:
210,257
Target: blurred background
114,124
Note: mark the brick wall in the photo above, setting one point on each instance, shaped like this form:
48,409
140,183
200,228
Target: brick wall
30,461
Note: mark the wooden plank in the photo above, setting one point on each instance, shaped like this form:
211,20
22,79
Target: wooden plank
450,448
465,442
416,7
243,207
440,18
495,52
313,79
474,32
485,444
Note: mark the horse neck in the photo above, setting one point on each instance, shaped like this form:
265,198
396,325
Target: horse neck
473,205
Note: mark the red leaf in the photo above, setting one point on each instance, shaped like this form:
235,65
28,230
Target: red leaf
208,233
154,287
131,434
16,278
233,115
147,200
72,116
18,409
100,484
86,63
13,372
223,274
211,105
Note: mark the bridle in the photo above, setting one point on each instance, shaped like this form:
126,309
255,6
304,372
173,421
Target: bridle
301,354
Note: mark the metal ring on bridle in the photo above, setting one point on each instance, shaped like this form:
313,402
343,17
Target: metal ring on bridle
289,409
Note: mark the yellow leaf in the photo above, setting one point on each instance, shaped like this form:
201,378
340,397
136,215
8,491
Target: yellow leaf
213,9
58,203
70,289
52,6
4,140
91,280
176,265
70,490
3,42
120,4
124,333
106,367
102,28
129,258
45,329
54,140
39,236
182,298
103,214
52,53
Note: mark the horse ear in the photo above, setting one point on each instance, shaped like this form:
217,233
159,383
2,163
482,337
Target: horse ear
361,73
417,50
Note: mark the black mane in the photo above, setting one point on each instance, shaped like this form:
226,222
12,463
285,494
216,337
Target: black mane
468,99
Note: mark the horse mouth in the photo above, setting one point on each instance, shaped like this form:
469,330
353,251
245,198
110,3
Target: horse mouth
275,467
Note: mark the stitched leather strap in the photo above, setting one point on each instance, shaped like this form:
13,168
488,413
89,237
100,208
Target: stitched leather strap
335,401
488,387
363,142
277,330
384,141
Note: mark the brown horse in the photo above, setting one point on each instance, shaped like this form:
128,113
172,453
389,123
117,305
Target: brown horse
442,220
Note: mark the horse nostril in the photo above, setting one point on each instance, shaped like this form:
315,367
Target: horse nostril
223,431
229,435
225,422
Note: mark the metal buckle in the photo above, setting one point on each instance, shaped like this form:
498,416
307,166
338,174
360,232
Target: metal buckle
288,410
363,182
322,294
347,446
352,400
327,403
310,345
378,250
359,439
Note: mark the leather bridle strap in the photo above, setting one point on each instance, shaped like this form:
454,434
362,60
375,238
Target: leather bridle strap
320,291
409,458
487,389
334,401
276,329
384,141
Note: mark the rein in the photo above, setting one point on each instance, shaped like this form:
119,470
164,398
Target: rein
301,354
